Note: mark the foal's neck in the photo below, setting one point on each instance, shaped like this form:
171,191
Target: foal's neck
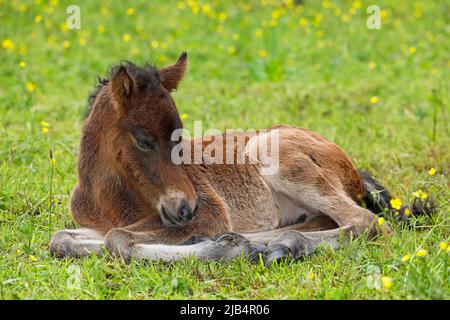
92,163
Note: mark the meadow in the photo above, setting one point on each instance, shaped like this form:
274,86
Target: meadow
381,94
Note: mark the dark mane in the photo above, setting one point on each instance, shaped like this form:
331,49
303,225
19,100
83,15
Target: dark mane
146,76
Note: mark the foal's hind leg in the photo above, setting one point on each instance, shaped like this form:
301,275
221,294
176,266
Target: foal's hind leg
320,180
76,243
336,205
345,212
295,244
317,223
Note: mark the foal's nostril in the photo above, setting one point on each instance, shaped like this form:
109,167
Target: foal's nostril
183,211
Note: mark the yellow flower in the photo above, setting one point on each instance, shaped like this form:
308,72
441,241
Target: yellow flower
195,8
396,203
372,65
30,86
421,253
345,18
222,16
82,41
101,29
37,19
417,12
63,27
407,212
19,251
22,64
126,37
32,258
66,44
206,8
53,160
276,14
420,194
406,258
326,4
432,172
45,123
373,99
130,11
258,33
312,276
104,11
443,245
162,58
387,282
8,44
154,44
357,4
263,53
380,221
303,22
44,130
135,51
231,49
184,116
412,50
181,5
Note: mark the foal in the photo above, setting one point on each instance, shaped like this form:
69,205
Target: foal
133,200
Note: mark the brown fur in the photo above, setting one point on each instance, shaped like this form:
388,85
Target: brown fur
122,188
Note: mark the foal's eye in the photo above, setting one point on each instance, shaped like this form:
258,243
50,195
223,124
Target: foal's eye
144,144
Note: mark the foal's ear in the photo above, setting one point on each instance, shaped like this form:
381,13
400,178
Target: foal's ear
122,85
172,75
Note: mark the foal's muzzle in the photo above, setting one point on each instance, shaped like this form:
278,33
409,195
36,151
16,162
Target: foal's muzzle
179,217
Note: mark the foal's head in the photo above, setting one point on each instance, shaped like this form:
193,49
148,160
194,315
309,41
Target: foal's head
137,138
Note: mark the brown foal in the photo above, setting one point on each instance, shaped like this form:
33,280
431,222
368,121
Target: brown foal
133,200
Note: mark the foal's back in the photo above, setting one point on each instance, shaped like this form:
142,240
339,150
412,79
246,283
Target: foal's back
255,201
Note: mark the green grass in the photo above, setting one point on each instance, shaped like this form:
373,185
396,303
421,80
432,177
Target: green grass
316,75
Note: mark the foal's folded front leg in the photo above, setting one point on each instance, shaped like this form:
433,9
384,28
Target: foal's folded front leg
76,243
225,247
142,241
130,245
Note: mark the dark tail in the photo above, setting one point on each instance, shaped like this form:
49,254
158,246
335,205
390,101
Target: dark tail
378,200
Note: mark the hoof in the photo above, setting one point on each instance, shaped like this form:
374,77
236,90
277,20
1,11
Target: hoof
119,243
195,240
277,253
231,238
62,245
254,251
